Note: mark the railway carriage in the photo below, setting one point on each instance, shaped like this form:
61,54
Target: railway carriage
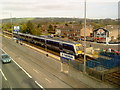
53,44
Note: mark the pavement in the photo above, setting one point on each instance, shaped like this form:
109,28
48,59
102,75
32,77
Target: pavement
45,70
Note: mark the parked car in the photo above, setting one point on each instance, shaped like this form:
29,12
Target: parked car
115,51
5,58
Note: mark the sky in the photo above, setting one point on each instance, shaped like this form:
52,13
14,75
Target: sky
58,8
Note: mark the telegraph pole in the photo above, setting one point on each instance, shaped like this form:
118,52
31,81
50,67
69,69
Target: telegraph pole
84,70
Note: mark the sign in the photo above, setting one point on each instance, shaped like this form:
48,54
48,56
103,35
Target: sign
16,28
67,56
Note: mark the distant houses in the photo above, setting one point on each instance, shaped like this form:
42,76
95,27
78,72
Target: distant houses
71,31
78,31
75,30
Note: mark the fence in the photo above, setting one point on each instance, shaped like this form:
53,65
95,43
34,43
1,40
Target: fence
98,67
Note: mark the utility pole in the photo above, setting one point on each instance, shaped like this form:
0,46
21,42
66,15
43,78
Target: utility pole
11,24
84,38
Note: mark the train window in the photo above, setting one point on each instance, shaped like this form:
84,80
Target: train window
42,40
36,39
56,44
49,42
53,43
78,48
68,47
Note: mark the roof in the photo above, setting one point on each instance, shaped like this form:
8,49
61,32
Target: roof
53,39
100,28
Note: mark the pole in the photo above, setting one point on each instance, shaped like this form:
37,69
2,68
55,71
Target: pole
85,38
106,39
11,24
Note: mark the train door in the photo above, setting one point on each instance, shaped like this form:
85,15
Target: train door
60,46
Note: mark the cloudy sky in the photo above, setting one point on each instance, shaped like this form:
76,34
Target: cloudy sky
58,8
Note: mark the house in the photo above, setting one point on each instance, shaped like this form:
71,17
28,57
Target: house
101,32
113,30
89,30
69,31
58,32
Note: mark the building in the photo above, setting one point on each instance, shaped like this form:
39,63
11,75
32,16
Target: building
89,30
100,32
113,30
69,31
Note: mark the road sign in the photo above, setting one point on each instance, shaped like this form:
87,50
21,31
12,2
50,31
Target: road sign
16,28
67,56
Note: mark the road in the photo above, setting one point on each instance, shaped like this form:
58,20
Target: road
45,70
14,77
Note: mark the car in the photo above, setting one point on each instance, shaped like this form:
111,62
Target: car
115,51
5,58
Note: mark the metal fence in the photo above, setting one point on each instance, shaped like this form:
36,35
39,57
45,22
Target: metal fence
106,63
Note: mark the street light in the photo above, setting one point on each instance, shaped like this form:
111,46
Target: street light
84,69
11,24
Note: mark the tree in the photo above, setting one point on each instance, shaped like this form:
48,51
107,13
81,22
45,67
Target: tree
96,25
29,27
38,29
39,25
51,29
66,24
23,28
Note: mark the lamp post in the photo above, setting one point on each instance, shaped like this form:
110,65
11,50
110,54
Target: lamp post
11,24
84,69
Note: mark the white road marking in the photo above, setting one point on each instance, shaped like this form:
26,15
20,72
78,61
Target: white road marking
19,66
3,74
112,44
35,70
23,69
48,80
39,85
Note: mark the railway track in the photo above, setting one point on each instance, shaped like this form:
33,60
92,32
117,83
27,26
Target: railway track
113,78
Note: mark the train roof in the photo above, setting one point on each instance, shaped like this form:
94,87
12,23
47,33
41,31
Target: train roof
52,39
63,40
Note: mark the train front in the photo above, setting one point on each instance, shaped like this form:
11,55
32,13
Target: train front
78,49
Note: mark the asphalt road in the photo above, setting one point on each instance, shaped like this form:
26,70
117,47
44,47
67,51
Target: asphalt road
45,70
15,77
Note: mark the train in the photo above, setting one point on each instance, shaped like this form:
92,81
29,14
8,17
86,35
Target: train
73,48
